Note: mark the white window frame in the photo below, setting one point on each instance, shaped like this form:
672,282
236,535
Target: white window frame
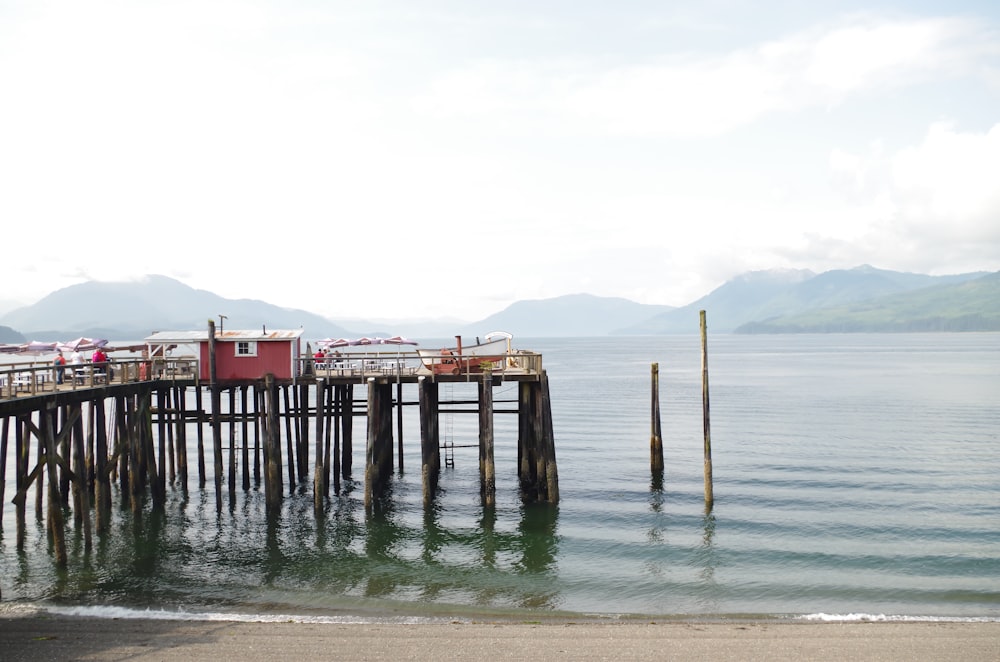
251,348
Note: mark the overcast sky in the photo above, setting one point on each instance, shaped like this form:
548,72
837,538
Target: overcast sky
444,159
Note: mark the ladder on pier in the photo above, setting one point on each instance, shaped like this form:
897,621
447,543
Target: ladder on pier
448,444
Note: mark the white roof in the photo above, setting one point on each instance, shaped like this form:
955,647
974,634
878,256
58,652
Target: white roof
227,335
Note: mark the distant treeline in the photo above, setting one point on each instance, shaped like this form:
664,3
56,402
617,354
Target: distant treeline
926,325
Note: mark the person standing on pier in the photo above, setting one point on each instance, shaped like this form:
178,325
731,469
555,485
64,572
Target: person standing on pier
60,364
99,360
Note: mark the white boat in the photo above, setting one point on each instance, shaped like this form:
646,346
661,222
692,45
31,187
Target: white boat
491,352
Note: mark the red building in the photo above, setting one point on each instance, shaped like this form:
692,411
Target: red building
239,355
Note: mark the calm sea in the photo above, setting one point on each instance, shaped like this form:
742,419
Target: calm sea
856,476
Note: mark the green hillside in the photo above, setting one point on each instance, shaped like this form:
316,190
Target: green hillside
970,306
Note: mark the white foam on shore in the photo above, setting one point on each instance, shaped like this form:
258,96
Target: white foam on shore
114,612
894,618
160,614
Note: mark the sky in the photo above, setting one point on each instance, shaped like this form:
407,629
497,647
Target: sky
443,159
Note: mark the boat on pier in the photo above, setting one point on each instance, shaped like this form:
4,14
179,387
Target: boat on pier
493,352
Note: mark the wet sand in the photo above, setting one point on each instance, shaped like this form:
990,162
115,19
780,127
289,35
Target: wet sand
45,637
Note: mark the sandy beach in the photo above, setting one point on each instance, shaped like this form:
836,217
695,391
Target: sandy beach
44,637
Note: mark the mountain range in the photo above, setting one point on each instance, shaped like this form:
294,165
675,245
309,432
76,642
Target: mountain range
781,301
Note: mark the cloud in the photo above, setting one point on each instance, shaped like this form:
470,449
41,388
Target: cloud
930,207
690,95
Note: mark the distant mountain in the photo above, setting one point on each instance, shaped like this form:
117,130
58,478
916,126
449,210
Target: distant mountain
770,295
970,305
133,310
860,299
735,302
11,337
570,315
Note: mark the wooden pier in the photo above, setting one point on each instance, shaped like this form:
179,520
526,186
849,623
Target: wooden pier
125,434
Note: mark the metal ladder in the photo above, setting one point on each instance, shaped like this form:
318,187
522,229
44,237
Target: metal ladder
448,443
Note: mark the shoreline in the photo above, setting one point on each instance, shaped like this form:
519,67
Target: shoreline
52,636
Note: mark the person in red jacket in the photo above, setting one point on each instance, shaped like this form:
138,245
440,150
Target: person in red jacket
60,364
100,362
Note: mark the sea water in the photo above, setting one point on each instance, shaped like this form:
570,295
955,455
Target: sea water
855,476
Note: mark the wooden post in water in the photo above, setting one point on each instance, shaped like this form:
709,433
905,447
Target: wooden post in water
216,407
3,462
245,418
55,514
319,471
302,445
709,494
232,448
82,500
289,438
399,416
655,436
259,427
328,435
347,410
102,468
338,426
549,442
180,397
165,459
199,408
22,450
272,450
487,465
430,452
63,449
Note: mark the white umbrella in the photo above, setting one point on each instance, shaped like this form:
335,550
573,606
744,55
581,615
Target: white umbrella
37,347
327,343
82,344
400,340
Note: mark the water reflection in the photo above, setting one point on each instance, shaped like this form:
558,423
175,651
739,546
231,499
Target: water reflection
191,556
706,558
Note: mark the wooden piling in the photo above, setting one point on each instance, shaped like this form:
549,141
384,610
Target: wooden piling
319,470
165,458
82,493
272,449
259,425
216,408
399,419
56,525
232,447
338,427
347,409
302,448
4,437
102,472
430,444
328,450
245,436
154,468
289,439
180,420
63,449
487,466
549,442
655,437
200,432
22,449
709,490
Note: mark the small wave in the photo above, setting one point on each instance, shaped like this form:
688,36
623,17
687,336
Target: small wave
896,618
110,612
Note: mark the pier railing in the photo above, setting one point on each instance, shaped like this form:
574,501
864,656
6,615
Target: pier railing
35,377
368,364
